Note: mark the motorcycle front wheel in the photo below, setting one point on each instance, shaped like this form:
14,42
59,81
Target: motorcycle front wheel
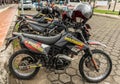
88,70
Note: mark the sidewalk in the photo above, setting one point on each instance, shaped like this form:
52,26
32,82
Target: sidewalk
6,17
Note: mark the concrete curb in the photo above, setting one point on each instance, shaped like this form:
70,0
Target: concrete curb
6,20
1,10
5,55
10,34
107,15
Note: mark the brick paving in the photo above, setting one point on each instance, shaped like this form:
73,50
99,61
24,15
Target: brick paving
105,30
6,18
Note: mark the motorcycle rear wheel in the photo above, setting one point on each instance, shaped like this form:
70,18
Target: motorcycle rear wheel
21,75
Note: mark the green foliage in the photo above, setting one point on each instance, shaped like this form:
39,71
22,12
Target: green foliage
16,41
118,1
106,11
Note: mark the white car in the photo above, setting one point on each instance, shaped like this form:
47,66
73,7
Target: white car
27,4
72,3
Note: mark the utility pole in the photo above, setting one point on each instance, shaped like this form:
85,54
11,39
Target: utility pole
22,7
114,5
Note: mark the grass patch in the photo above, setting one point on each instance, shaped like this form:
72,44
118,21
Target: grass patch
106,11
15,43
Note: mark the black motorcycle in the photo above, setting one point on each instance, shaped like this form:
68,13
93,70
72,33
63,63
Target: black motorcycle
33,27
46,11
56,52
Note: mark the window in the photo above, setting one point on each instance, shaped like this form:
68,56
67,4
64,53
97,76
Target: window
74,0
26,1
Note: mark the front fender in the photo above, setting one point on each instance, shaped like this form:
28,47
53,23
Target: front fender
96,43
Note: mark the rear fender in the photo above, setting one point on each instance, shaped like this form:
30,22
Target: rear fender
9,40
96,43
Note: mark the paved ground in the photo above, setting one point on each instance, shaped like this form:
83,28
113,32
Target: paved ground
6,18
6,28
105,30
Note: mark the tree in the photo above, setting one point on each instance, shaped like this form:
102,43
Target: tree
93,4
114,5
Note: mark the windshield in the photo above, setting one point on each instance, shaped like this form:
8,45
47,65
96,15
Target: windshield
74,0
26,1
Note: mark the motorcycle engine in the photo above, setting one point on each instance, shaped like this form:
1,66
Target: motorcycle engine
61,61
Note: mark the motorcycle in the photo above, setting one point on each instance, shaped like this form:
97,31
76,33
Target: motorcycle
46,15
46,11
21,20
56,52
48,29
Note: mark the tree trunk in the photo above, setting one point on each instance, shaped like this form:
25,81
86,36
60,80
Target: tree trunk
93,4
114,5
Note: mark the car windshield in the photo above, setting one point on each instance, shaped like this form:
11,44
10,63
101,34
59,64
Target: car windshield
26,1
74,0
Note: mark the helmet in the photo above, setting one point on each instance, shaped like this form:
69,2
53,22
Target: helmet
82,10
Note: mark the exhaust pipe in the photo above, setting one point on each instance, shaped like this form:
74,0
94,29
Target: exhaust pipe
65,57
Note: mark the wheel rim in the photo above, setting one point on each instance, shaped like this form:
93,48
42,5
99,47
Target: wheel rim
16,62
104,67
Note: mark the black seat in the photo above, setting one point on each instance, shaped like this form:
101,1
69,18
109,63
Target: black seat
26,15
46,40
36,27
40,24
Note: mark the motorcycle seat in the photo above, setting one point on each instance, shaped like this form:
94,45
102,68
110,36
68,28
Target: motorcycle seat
36,27
40,24
43,39
26,15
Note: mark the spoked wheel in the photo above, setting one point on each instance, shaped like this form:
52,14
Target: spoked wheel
20,62
87,66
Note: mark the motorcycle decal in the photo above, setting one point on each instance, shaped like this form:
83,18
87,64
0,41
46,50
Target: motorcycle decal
49,19
34,46
80,44
40,14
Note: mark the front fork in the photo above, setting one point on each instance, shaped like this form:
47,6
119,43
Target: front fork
89,55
